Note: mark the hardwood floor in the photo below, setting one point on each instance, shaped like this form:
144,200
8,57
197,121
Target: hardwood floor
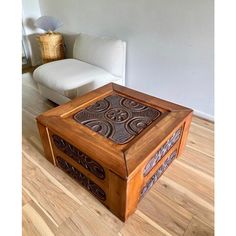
180,203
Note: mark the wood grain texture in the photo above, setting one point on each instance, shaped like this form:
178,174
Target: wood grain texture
84,222
57,205
36,222
47,144
198,228
38,186
142,225
25,198
118,134
202,140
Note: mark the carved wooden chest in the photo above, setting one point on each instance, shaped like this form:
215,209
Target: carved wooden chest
115,142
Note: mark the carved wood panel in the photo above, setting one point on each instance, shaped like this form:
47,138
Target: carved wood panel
80,157
162,151
82,179
158,173
117,118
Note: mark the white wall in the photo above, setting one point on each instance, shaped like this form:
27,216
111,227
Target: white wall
170,43
30,13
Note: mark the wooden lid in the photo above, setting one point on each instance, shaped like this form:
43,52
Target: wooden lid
117,125
117,118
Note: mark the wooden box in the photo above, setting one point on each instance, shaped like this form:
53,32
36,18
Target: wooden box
115,142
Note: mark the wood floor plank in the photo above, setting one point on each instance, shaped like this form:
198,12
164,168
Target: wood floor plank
198,228
30,94
201,130
53,180
36,222
28,228
69,227
198,160
84,222
25,198
195,183
29,126
29,82
172,217
203,123
29,103
201,140
185,198
195,170
142,226
46,195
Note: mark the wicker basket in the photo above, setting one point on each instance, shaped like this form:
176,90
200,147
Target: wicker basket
52,47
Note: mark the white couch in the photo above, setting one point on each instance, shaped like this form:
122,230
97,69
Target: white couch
96,61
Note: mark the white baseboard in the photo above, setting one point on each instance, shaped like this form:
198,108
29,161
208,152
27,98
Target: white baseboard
204,115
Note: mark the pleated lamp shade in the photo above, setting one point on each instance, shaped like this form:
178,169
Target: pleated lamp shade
48,23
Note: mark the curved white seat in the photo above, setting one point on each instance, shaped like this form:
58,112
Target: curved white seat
96,62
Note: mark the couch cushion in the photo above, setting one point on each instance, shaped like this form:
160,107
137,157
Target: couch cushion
69,74
106,53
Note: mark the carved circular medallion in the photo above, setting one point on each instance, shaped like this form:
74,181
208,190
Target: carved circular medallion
117,115
99,106
133,105
99,126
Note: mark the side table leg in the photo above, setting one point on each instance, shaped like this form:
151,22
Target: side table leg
47,146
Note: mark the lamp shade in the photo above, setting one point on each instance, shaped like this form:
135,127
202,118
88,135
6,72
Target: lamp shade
48,23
